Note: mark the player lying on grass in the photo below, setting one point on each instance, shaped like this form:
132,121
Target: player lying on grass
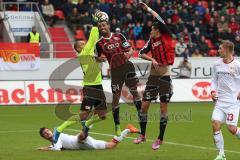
78,142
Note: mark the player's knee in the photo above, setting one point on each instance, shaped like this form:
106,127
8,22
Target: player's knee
216,125
84,115
166,98
232,129
163,107
145,106
115,104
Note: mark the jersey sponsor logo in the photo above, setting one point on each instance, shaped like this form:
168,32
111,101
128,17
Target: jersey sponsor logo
111,46
155,44
202,90
224,73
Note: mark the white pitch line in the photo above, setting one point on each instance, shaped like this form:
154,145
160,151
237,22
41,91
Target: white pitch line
165,142
18,131
110,135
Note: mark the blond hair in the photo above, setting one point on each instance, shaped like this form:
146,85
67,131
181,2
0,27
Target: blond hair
228,45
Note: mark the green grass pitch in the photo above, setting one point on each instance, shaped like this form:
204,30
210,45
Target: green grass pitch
188,135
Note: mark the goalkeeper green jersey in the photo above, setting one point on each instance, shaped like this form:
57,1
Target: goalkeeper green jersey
91,69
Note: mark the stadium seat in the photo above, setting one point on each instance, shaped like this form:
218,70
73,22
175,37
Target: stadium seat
212,52
135,53
60,39
59,14
61,43
80,35
209,43
204,4
132,43
140,44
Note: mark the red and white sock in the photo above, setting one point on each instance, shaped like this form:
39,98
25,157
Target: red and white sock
219,142
123,135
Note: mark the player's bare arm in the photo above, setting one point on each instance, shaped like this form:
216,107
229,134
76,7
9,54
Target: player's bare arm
214,96
146,8
129,53
162,23
100,59
148,58
47,148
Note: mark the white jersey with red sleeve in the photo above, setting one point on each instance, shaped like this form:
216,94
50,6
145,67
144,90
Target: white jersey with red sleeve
70,142
226,82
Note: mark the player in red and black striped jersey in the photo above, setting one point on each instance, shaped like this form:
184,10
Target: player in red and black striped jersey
116,49
159,81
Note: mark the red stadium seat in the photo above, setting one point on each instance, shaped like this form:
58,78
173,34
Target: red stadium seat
59,14
212,52
140,44
204,4
132,43
209,43
135,53
61,43
80,35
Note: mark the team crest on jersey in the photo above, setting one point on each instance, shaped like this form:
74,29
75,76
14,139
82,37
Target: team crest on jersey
125,45
233,70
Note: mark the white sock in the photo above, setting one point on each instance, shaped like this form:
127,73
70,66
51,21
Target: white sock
238,133
219,142
124,134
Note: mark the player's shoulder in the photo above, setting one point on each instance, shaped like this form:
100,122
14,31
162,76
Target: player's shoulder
237,61
99,40
118,35
218,62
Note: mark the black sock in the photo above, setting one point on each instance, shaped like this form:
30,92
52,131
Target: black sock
143,123
163,124
115,113
138,105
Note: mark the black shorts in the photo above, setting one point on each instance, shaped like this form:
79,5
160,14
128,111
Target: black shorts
93,96
158,85
123,74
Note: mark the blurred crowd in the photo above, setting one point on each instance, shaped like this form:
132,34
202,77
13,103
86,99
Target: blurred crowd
198,25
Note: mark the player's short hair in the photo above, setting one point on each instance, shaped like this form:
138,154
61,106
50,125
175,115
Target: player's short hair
76,44
41,131
227,44
156,25
104,21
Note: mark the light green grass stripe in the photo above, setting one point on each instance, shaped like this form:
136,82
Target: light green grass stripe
165,142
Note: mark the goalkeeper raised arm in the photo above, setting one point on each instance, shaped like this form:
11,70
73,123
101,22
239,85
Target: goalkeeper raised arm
93,95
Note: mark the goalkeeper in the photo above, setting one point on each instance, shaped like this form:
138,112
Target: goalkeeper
93,95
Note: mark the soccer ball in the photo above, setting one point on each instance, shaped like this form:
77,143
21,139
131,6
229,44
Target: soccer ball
102,16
